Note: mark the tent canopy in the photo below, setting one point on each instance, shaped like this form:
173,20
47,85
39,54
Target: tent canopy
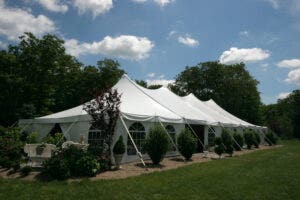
141,104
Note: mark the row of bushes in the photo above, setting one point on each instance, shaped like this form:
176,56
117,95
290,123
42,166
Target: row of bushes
229,142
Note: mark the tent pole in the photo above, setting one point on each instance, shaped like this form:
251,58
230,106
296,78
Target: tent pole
25,127
169,136
139,153
195,134
69,128
233,139
267,138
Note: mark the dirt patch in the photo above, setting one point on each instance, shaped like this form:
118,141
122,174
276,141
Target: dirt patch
136,168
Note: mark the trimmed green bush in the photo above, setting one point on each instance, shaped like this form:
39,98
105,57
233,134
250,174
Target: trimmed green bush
249,138
119,147
219,148
271,138
240,140
227,141
32,138
186,143
156,144
257,139
11,148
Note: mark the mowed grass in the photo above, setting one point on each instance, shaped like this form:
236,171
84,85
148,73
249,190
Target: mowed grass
268,174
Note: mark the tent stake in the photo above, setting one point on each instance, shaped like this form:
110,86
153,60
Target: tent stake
139,153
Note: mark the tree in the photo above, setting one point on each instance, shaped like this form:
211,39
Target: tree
38,77
230,86
284,117
109,72
154,86
142,83
104,111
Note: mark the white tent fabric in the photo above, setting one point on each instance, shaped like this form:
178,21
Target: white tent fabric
217,116
182,108
212,104
135,105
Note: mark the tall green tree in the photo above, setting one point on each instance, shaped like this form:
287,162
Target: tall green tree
231,86
38,77
284,116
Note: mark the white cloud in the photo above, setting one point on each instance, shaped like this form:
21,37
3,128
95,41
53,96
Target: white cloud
188,41
294,77
96,7
54,5
151,75
283,95
124,46
15,21
292,63
163,82
274,3
244,33
236,55
163,3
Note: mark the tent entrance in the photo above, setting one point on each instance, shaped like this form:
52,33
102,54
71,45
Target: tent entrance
199,131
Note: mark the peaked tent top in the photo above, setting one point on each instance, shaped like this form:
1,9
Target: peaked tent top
135,105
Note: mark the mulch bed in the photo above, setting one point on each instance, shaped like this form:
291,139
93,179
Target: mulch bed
136,168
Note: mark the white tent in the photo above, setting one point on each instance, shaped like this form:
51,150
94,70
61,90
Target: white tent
140,108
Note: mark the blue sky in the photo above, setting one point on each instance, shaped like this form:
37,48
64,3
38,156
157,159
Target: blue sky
155,39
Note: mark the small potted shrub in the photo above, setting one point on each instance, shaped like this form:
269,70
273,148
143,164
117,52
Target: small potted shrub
227,140
219,148
156,144
186,144
119,150
249,139
256,139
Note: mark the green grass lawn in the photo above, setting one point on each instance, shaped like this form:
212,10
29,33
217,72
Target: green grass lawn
269,174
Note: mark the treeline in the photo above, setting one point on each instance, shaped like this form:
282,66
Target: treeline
38,77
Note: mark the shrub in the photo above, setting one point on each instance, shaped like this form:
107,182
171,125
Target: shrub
57,139
56,168
32,138
156,144
11,148
87,166
239,140
227,141
257,139
271,138
249,138
219,148
119,147
71,155
186,143
25,170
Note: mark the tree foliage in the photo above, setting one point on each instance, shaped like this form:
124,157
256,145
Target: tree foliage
284,117
38,77
104,111
230,86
